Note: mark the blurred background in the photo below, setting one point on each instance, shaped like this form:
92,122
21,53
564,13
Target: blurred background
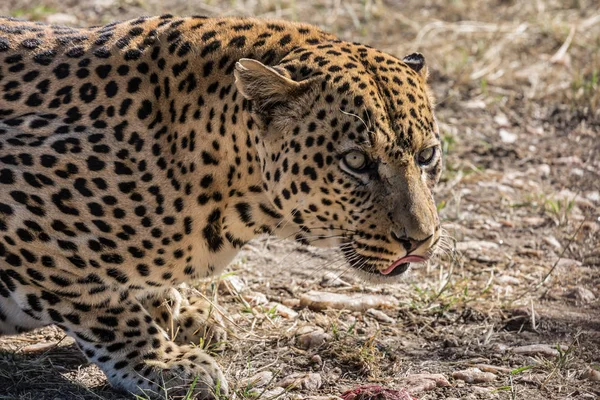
517,86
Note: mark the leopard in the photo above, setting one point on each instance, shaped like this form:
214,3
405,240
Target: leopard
140,156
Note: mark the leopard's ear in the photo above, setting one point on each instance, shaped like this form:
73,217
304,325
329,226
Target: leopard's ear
416,62
266,86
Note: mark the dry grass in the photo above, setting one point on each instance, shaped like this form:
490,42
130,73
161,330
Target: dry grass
523,214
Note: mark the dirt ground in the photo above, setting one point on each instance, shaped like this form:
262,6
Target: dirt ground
518,99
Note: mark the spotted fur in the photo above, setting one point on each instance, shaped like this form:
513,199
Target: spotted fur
145,153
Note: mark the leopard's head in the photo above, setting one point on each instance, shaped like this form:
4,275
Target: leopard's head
350,151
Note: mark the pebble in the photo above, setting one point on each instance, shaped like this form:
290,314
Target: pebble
501,119
104,3
482,390
259,380
282,310
476,245
293,303
507,137
492,368
255,298
568,263
593,196
232,284
310,381
533,222
581,294
591,375
544,170
331,279
507,280
316,359
318,301
552,241
61,19
473,375
424,382
380,316
538,350
569,160
500,347
309,337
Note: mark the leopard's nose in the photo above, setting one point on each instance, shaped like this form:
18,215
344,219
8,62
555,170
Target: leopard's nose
409,244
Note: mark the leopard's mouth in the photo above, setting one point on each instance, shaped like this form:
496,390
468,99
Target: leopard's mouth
402,263
373,265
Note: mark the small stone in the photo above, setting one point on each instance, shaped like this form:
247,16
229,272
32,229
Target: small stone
544,170
501,119
423,382
591,375
581,294
61,19
552,241
475,104
255,298
310,381
259,380
538,350
331,279
569,160
593,196
568,263
282,310
500,347
507,280
335,373
507,137
482,390
493,368
318,301
473,375
104,3
315,337
533,222
316,359
292,303
380,316
476,245
232,284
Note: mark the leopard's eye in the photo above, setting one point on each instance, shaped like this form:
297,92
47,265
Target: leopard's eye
426,156
355,160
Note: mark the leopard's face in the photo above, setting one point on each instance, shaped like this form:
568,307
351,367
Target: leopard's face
350,152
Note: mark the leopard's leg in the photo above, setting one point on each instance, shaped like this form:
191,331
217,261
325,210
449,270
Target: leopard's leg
134,351
186,316
13,319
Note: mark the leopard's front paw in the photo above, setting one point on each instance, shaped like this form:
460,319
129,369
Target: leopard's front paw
190,371
200,323
186,316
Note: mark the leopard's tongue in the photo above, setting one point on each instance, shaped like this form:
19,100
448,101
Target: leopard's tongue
402,260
